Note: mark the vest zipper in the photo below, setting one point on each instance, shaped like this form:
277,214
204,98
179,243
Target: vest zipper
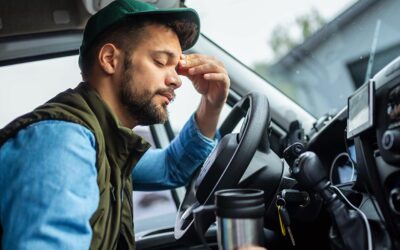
124,174
113,193
122,192
122,207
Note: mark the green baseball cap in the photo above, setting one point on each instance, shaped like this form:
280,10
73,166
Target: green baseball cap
120,9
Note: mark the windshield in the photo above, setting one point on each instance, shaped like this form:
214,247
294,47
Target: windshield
316,52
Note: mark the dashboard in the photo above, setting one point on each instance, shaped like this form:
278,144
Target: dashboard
360,146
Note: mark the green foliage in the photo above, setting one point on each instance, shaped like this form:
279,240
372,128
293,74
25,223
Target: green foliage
310,23
287,36
283,38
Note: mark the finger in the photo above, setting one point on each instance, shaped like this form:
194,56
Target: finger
216,77
189,62
182,71
206,68
193,60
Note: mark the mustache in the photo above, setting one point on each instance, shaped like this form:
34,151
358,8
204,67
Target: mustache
170,92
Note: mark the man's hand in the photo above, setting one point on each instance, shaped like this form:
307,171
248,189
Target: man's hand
210,78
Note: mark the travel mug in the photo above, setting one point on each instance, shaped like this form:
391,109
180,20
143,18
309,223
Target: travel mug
240,218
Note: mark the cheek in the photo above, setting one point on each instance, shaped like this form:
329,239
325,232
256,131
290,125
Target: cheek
148,76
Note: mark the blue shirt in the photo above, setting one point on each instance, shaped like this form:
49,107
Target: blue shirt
48,181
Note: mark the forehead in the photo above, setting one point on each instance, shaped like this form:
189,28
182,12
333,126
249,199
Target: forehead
159,37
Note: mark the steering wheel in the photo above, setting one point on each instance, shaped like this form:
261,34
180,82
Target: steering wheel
227,162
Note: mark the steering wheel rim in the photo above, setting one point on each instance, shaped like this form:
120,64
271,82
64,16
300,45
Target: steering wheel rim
227,163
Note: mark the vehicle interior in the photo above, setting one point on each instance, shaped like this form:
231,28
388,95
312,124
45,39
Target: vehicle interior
318,127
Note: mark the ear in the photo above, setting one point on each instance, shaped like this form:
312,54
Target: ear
109,57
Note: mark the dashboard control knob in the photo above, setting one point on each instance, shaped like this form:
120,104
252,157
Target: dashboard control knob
309,170
394,200
292,152
391,140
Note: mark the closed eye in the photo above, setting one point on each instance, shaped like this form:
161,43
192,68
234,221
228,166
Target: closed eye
159,63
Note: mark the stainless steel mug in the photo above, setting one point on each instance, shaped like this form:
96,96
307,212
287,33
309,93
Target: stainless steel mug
240,218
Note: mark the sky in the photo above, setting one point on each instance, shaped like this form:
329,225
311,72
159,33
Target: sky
242,28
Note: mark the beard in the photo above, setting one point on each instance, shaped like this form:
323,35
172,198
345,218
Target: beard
139,103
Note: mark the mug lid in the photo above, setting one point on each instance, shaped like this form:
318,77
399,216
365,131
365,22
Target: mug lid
240,203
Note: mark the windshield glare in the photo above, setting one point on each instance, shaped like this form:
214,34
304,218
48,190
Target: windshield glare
316,52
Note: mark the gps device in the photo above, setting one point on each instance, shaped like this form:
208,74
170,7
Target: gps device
360,107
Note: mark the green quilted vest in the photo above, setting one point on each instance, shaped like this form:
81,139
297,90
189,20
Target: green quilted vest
118,150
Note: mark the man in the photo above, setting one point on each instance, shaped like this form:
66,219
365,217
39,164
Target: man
67,167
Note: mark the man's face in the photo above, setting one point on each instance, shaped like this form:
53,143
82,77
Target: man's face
149,76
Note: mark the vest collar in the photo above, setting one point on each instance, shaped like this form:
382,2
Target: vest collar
120,141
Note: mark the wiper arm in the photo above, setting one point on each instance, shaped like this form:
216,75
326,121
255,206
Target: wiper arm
373,50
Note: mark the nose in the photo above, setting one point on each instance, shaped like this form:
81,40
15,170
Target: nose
173,80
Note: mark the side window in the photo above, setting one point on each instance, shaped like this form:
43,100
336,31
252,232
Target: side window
185,104
152,209
27,85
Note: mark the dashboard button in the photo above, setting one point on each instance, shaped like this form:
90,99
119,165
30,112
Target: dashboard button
391,140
